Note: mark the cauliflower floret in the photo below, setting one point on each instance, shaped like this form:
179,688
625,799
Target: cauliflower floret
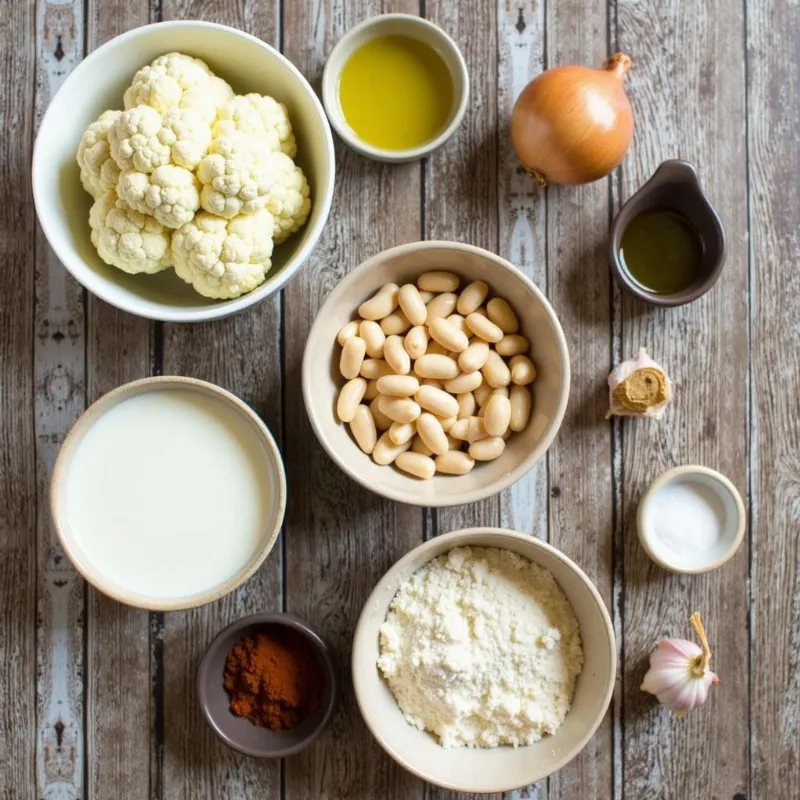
135,141
288,199
99,173
178,81
224,258
126,239
188,136
169,193
235,175
260,116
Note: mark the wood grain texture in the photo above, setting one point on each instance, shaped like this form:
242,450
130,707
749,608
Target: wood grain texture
241,354
773,78
119,697
18,463
687,89
340,538
461,190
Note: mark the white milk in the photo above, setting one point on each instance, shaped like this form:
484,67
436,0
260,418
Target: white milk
168,493
687,517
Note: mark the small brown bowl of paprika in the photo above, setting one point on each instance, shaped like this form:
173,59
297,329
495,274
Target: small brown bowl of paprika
268,685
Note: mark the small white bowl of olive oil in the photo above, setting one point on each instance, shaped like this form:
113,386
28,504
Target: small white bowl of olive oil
395,88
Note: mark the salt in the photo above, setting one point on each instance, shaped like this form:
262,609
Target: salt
687,517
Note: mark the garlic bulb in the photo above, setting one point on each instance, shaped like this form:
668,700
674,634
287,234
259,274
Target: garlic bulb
638,387
679,675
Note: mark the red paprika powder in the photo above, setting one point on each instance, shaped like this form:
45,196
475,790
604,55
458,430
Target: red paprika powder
273,678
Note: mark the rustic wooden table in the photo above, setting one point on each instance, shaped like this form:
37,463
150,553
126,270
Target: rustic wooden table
98,699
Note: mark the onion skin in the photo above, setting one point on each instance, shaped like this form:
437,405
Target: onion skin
573,125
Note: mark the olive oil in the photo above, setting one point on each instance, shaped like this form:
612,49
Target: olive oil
662,251
396,92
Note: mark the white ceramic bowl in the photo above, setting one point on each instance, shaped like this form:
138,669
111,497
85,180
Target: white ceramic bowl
538,322
97,84
504,768
732,523
395,25
70,537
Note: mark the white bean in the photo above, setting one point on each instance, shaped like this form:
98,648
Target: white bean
512,344
495,371
438,281
353,353
460,430
466,404
416,464
381,304
398,409
416,341
362,426
520,408
481,394
499,312
374,368
474,357
412,305
442,305
498,415
484,328
471,298
454,444
386,451
418,446
476,430
402,432
436,366
348,331
437,401
374,337
431,432
435,349
487,449
447,422
395,323
432,382
465,382
372,390
448,335
502,390
382,422
454,462
427,296
350,396
457,321
398,385
522,370
395,355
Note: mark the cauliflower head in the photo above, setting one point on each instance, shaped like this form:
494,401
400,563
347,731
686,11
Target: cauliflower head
175,80
221,258
289,199
99,172
169,193
126,239
260,116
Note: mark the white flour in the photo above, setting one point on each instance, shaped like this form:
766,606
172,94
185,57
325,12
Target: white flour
481,648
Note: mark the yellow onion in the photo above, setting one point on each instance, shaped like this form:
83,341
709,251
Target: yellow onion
573,125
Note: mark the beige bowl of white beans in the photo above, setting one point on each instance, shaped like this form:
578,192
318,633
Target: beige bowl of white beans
436,374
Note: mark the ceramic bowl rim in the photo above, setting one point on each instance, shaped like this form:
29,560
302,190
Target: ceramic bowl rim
645,534
461,538
321,647
536,453
60,474
98,286
330,94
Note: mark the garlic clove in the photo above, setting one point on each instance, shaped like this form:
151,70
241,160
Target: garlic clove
638,387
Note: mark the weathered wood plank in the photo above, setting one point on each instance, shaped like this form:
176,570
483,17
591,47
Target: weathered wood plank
242,354
687,87
340,538
59,370
461,194
580,459
773,90
18,462
118,667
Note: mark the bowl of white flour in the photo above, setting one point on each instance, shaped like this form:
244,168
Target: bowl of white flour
484,660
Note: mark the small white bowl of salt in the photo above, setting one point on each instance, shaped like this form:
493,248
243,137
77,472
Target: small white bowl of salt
691,520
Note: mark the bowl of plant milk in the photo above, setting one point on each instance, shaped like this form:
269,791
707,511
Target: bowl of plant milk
168,493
